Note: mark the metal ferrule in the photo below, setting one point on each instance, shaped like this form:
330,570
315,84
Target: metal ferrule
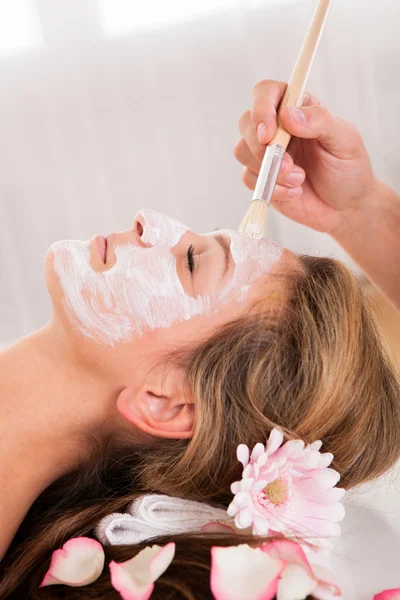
269,172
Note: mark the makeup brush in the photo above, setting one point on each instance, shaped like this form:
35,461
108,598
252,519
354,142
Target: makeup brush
253,223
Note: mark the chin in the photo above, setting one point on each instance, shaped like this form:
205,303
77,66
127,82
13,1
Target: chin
51,278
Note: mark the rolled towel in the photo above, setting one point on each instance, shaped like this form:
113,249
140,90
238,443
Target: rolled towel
153,515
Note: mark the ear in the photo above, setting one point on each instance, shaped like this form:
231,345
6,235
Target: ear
159,406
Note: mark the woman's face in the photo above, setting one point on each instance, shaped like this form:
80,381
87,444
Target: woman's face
156,276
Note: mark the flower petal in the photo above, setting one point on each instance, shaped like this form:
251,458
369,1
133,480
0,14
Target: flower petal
216,527
261,526
295,583
244,518
325,459
288,551
257,451
327,588
241,499
326,478
232,510
79,562
388,595
243,454
134,579
239,572
274,441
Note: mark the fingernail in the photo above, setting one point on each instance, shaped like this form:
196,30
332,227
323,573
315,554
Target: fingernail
261,132
297,115
295,192
295,178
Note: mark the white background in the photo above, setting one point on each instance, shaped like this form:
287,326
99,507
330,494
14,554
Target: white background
110,106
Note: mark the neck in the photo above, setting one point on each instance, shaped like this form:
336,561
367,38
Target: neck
48,401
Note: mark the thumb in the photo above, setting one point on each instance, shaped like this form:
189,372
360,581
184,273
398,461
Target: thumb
337,136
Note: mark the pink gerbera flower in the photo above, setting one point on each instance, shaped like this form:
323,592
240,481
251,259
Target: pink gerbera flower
287,489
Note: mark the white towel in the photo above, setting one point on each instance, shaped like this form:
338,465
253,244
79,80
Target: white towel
154,515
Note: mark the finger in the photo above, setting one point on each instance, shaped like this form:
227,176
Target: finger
287,184
245,156
336,135
266,98
288,174
290,204
249,135
283,193
311,100
249,178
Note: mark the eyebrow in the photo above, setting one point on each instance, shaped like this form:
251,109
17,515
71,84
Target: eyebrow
224,242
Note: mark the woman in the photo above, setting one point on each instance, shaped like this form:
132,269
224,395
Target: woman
253,337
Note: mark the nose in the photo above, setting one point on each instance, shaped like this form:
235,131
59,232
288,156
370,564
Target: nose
138,228
152,228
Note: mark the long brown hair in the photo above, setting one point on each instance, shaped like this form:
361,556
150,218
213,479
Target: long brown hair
316,369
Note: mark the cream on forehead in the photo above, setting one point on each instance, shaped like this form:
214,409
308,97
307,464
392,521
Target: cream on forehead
250,256
142,290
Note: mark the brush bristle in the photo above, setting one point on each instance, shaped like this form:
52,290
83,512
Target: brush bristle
253,224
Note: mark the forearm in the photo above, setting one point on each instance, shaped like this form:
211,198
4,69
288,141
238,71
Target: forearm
371,236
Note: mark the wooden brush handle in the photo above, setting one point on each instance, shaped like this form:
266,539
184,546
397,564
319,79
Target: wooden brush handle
295,89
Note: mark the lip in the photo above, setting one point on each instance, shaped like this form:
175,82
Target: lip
101,246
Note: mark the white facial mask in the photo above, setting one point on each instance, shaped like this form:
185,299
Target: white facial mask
142,291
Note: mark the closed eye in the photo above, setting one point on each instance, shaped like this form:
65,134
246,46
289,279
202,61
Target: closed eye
190,258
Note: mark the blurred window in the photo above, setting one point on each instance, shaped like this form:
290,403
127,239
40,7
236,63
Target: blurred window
19,26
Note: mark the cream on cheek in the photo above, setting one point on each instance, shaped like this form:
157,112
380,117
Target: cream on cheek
142,291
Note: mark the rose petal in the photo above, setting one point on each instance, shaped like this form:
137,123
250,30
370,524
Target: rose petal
388,595
300,578
243,572
288,551
216,527
295,584
79,562
134,579
326,589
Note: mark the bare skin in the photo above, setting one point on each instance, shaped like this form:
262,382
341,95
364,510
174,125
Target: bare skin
326,182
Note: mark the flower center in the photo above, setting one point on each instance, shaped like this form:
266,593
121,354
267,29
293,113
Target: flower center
276,491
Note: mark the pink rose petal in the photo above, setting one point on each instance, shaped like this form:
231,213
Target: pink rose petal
388,595
134,579
79,562
216,527
288,551
299,579
239,572
295,583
